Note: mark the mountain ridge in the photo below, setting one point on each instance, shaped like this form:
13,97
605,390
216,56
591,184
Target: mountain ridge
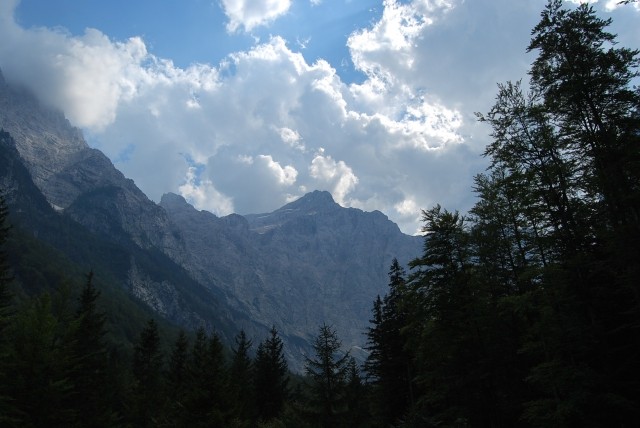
304,264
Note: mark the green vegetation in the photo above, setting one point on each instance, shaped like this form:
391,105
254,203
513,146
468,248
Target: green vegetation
526,312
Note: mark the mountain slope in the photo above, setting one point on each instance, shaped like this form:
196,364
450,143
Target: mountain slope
307,263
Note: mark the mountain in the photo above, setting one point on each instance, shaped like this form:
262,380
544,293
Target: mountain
107,224
307,263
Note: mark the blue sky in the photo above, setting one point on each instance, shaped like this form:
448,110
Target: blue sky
195,30
244,105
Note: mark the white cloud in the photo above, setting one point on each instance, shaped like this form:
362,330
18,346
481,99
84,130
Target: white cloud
291,138
397,33
286,175
609,5
89,74
337,176
204,195
249,14
246,135
254,125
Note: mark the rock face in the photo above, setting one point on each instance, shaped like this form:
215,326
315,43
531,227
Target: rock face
307,263
79,179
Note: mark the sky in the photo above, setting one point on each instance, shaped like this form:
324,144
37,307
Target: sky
244,105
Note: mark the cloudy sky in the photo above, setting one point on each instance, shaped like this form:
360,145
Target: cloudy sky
244,105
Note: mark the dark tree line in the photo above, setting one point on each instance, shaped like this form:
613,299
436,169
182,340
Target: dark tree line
526,311
58,368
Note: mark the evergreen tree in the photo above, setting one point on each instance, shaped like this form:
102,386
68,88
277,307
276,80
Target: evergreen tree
5,314
439,329
389,363
147,376
178,379
205,401
5,271
327,374
355,396
271,382
90,361
375,344
240,379
571,147
39,386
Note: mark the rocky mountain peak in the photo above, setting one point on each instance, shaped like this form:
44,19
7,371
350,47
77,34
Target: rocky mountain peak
173,201
318,200
45,139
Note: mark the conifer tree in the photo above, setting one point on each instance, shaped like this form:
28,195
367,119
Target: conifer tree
40,386
178,378
147,376
5,271
240,379
90,360
5,312
356,398
572,148
327,374
389,363
206,401
271,382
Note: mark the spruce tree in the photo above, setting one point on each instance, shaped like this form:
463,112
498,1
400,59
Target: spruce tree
178,379
5,271
356,398
389,363
90,357
206,400
5,313
147,377
327,374
271,382
40,385
240,380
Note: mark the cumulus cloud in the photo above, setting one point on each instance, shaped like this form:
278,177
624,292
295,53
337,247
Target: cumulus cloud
248,135
337,176
89,74
203,194
266,125
248,14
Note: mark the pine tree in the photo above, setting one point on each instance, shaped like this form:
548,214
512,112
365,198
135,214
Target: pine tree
438,328
327,374
178,379
39,386
5,271
357,414
5,314
147,375
240,379
271,382
90,357
206,401
389,363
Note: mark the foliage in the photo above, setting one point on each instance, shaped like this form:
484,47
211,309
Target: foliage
327,374
271,383
388,364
